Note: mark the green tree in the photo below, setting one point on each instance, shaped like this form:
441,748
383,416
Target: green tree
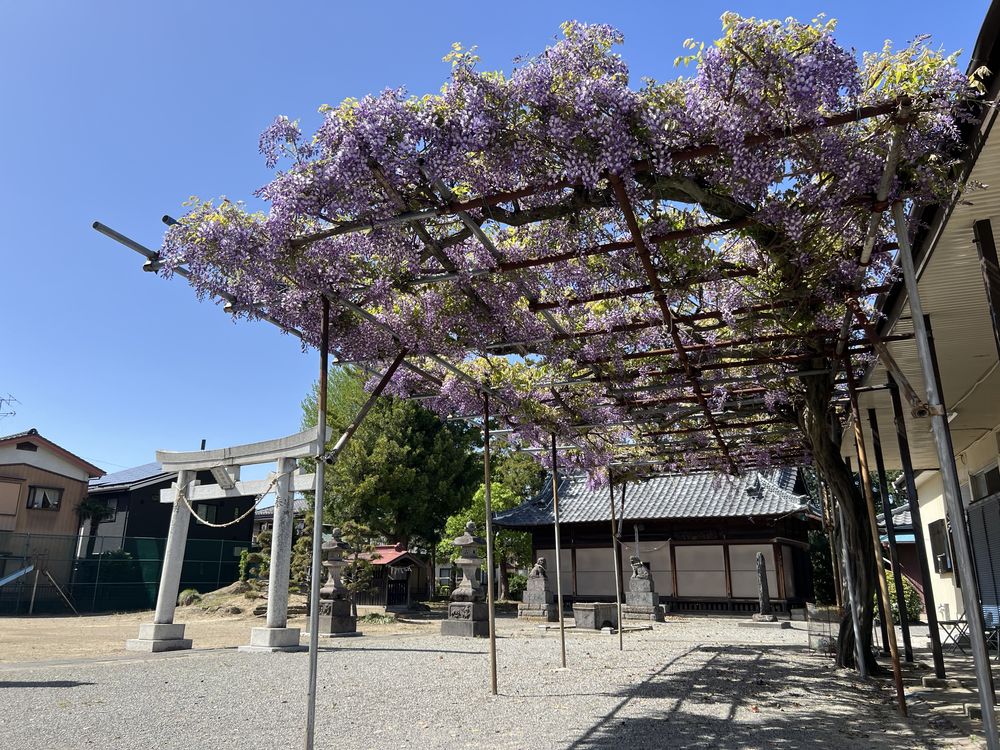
403,472
518,472
512,548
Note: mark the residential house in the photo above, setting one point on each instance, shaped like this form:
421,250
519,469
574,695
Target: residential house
41,486
119,558
263,518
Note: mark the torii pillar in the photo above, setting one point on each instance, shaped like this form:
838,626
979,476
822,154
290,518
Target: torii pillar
225,464
276,635
162,634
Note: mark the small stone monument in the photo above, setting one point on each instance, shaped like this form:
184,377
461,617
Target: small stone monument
335,618
766,614
467,610
641,600
538,601
765,617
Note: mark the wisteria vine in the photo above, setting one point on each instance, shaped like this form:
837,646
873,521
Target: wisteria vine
485,228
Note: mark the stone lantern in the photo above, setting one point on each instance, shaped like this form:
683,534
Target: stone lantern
335,616
467,610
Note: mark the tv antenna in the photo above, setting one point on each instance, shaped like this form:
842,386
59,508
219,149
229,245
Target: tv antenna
7,406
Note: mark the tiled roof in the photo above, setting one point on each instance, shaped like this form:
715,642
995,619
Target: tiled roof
691,496
299,505
900,518
386,554
128,477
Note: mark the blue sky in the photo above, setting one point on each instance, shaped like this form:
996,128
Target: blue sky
120,111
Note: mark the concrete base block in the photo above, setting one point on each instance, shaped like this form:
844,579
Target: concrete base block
335,617
940,683
545,612
975,712
269,640
779,625
596,615
466,628
156,646
638,612
157,637
352,634
152,631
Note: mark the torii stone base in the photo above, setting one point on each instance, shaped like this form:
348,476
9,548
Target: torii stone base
154,638
270,640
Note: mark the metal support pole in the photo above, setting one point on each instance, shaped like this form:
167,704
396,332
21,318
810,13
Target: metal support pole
979,610
829,525
949,477
890,530
883,586
34,589
852,598
490,564
555,513
618,570
918,529
317,541
324,458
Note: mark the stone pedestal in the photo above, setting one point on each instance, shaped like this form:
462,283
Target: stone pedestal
155,637
595,615
335,618
468,613
641,600
469,619
538,602
269,640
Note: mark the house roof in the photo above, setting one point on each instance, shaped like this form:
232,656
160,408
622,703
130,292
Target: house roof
388,554
129,478
33,436
900,518
705,495
299,507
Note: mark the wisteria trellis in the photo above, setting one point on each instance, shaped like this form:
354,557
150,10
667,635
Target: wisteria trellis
648,272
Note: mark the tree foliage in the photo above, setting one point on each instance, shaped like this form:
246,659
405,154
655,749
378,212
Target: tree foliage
404,470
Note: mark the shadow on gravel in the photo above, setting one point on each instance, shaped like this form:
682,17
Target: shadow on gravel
753,697
348,650
43,684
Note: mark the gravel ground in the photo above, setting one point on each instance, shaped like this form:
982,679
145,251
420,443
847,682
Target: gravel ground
686,684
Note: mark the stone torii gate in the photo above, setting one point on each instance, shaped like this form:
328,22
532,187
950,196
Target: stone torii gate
163,634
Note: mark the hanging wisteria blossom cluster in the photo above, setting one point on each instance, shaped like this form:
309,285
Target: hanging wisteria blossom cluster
644,270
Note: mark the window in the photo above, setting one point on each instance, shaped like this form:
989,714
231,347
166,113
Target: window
26,446
44,498
986,483
10,491
207,512
444,574
940,546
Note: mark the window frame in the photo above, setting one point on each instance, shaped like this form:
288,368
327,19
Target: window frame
31,491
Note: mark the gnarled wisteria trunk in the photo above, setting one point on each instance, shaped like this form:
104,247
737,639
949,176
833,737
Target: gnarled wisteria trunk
823,435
